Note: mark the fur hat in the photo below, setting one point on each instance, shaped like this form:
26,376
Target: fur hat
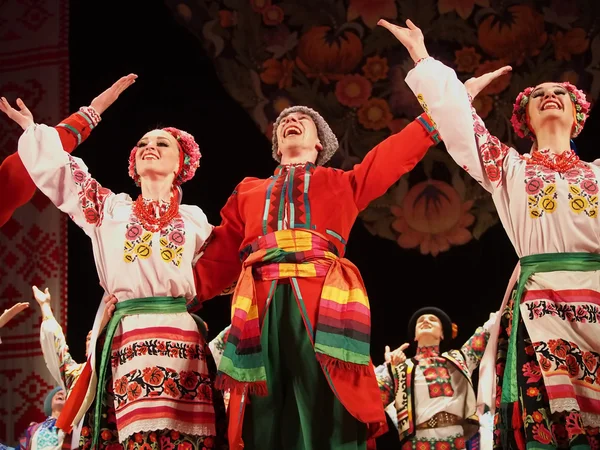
326,136
48,400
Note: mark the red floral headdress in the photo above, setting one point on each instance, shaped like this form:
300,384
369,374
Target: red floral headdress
519,117
189,157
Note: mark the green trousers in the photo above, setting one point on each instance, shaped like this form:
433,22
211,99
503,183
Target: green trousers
301,411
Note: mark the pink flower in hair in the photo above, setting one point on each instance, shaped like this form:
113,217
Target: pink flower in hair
191,156
519,116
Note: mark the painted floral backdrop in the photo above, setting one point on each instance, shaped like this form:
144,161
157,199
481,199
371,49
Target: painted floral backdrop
330,55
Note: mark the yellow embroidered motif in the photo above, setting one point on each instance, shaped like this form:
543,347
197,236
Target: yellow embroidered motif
421,100
582,198
138,243
172,242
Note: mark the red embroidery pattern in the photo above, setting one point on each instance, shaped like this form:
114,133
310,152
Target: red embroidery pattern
91,194
540,185
573,313
456,442
435,372
564,356
158,381
156,347
172,240
491,151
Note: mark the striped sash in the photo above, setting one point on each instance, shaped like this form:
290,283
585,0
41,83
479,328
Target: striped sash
343,329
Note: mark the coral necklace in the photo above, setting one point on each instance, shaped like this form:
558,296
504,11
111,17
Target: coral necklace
146,213
560,163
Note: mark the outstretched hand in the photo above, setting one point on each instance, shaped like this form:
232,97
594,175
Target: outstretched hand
41,296
22,116
11,312
397,356
108,97
411,37
477,84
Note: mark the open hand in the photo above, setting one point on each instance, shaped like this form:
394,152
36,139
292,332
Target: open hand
108,97
41,297
477,84
397,356
411,38
22,116
11,312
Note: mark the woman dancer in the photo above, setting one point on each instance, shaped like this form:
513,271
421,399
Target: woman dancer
153,383
548,338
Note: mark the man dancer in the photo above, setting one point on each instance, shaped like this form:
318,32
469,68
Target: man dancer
297,357
432,392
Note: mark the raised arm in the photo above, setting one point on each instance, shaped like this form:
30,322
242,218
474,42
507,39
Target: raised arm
64,179
13,175
219,266
72,131
392,158
446,100
61,365
474,348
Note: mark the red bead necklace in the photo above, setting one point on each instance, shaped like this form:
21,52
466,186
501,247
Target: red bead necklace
561,163
146,213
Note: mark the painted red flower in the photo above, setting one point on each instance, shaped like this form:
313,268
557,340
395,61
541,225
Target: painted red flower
534,186
589,186
541,433
442,445
188,380
91,215
572,365
171,388
492,172
573,424
79,176
121,386
273,15
133,232
590,361
532,392
153,376
531,370
537,416
177,238
558,347
353,90
134,390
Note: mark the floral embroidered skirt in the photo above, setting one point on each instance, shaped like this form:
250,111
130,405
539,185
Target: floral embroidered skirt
529,423
160,390
454,442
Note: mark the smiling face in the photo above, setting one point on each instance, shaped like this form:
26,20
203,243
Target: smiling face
58,401
428,327
550,104
157,155
297,136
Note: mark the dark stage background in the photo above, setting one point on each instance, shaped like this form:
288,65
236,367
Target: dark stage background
178,86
